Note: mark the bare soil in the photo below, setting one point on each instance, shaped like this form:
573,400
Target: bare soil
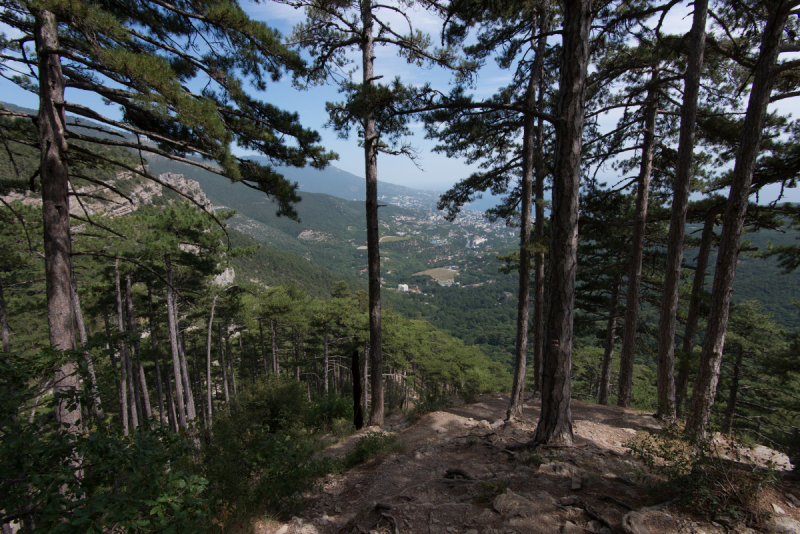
596,486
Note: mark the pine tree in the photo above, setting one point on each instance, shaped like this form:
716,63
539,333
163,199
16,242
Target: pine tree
123,52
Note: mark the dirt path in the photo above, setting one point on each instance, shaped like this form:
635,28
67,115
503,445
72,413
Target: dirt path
590,487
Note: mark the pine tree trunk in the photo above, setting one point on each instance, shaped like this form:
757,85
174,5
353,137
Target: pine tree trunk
555,421
523,302
97,409
232,364
727,424
172,412
55,210
224,367
325,357
126,375
209,402
263,347
680,205
276,368
191,413
4,322
162,415
611,335
358,413
728,254
637,247
692,317
540,174
296,347
117,366
143,391
373,233
365,379
173,343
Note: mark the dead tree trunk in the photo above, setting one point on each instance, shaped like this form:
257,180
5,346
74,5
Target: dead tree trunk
209,401
224,367
126,375
162,415
148,410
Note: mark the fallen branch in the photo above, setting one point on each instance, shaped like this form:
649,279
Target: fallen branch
452,473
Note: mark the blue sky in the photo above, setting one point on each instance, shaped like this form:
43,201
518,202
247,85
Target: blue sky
437,171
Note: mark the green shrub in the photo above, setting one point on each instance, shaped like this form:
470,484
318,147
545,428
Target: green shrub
370,446
706,478
259,457
329,408
430,402
94,480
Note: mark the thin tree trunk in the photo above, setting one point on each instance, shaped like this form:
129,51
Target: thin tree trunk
325,357
173,343
727,425
263,347
97,409
276,368
172,412
191,413
373,232
637,247
126,375
209,402
143,391
162,416
555,421
4,322
611,335
296,346
224,367
685,369
523,303
55,211
117,366
358,413
749,147
232,364
680,205
365,380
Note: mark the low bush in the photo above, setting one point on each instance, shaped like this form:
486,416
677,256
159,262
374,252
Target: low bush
709,478
432,401
370,446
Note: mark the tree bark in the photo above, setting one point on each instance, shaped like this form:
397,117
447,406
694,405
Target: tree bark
325,357
117,366
296,347
680,205
232,364
555,421
126,374
162,416
611,335
143,391
276,368
97,408
727,425
263,347
54,174
373,233
749,147
224,367
692,317
4,322
637,247
209,401
358,413
523,303
173,343
191,413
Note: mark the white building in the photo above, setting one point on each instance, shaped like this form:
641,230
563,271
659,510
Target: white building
402,287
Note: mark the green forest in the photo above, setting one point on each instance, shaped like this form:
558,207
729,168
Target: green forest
185,330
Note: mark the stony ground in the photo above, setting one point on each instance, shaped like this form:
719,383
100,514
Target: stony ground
455,476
